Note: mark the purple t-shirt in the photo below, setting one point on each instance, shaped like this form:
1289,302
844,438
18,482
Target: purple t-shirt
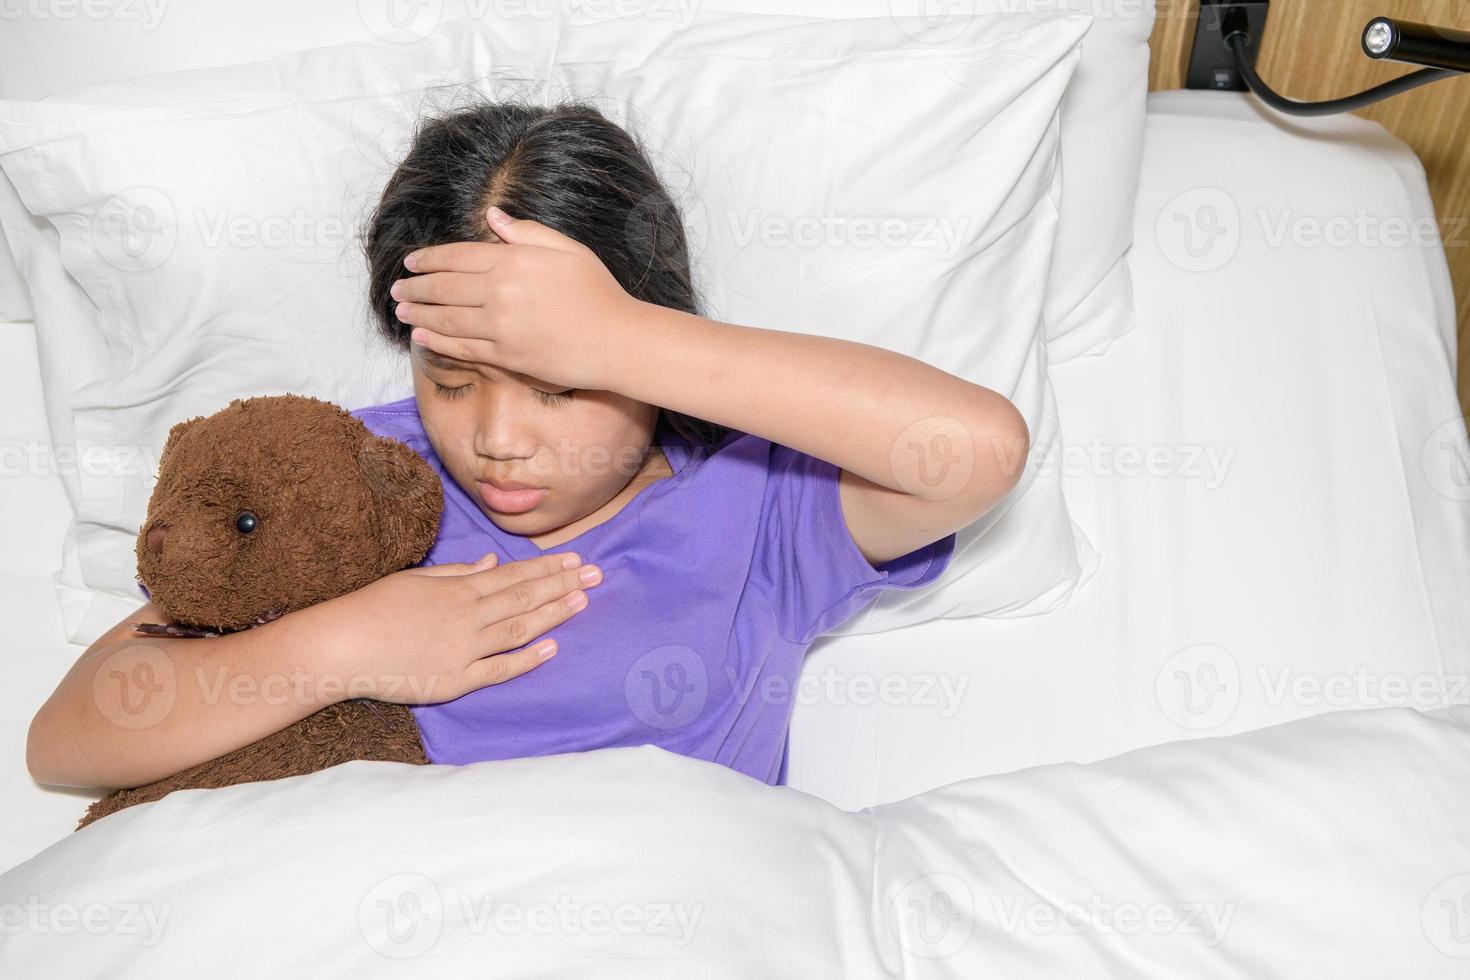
715,582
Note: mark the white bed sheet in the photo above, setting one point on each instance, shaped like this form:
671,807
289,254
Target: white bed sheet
1332,846
1320,554
34,514
1326,571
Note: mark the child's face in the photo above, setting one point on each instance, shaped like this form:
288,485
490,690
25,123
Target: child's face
496,425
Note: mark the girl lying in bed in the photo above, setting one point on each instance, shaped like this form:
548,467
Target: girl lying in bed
656,513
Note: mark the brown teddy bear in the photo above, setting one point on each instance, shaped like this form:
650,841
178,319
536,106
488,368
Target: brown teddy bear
267,506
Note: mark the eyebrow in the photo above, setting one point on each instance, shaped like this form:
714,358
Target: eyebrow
446,362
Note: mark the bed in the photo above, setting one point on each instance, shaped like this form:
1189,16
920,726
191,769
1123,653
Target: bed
1300,529
1241,749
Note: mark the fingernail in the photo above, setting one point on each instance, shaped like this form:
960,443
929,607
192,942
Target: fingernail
418,335
546,650
591,573
411,261
497,216
577,600
571,560
394,289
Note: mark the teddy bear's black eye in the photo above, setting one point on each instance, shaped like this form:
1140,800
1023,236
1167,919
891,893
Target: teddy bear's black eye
245,523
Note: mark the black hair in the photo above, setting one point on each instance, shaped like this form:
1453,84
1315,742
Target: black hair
564,165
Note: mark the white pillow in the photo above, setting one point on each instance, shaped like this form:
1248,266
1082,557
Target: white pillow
207,233
1089,299
15,299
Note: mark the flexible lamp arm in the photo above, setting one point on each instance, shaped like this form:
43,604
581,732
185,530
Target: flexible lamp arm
1445,51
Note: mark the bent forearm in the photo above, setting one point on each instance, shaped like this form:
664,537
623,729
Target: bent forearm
844,401
136,709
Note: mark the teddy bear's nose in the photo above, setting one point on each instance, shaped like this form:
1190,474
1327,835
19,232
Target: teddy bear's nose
154,541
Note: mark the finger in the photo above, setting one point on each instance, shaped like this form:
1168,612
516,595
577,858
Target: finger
519,598
490,580
488,560
441,288
525,231
520,629
501,667
454,257
455,321
461,348
468,348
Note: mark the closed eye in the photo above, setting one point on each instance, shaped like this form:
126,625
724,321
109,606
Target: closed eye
547,397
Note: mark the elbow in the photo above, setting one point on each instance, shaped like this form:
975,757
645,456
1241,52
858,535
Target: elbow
1018,435
39,762
1022,436
1010,450
45,758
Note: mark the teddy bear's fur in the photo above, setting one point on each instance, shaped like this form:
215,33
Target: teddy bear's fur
329,508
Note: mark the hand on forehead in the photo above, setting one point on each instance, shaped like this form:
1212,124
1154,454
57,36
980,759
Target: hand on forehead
527,298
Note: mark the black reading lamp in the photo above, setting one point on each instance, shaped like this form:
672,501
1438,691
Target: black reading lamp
1440,51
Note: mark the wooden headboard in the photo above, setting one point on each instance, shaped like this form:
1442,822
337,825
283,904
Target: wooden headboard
1311,50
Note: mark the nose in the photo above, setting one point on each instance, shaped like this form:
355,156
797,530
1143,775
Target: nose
154,540
502,433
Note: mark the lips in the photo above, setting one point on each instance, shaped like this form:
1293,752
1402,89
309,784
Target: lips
510,497
509,484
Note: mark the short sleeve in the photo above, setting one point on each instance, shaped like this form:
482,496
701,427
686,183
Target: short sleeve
822,578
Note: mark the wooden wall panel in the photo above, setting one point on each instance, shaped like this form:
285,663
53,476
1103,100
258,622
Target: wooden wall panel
1311,50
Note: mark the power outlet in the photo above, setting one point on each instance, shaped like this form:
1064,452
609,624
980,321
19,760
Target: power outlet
1211,64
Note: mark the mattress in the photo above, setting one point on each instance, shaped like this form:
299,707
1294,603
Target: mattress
1250,463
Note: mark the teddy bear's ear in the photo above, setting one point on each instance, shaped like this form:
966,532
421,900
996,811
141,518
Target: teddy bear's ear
172,441
408,499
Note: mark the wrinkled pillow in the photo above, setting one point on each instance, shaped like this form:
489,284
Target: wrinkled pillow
198,233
